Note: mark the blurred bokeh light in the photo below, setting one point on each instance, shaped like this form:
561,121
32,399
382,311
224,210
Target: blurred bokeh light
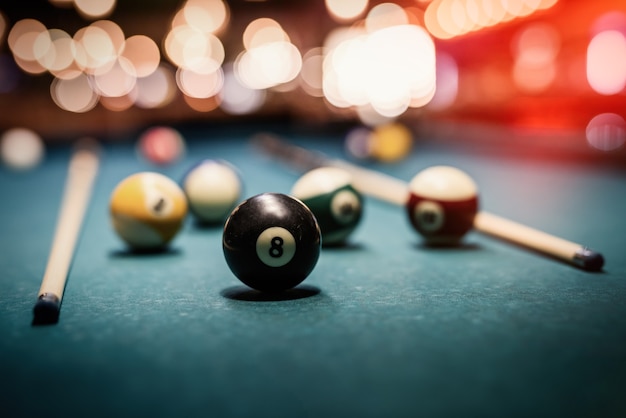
534,65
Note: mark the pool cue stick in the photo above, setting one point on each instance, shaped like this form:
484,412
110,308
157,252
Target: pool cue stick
373,183
82,171
395,191
537,240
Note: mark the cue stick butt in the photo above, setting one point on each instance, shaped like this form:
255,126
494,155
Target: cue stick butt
47,309
589,259
82,171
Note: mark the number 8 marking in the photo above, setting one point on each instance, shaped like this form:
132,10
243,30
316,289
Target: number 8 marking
275,246
276,250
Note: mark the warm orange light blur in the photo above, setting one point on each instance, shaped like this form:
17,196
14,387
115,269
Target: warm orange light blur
449,18
74,95
94,8
142,53
156,90
345,10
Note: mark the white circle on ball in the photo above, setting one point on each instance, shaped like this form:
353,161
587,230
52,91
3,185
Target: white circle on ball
429,215
275,246
345,206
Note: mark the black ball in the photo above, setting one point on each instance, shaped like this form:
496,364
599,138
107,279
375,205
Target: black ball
271,242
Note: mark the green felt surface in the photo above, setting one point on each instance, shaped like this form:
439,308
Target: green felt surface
383,327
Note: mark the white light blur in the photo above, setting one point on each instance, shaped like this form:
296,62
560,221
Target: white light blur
311,74
94,49
389,69
22,37
94,8
74,95
199,85
606,62
606,132
54,50
142,53
270,59
446,19
345,10
263,31
21,149
189,48
116,81
385,15
207,16
156,90
238,99
269,65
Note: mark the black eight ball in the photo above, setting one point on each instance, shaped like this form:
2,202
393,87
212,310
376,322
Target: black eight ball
271,242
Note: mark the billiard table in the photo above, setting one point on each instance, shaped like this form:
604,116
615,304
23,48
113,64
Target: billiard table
383,327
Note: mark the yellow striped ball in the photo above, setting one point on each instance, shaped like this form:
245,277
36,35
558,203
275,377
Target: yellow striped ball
147,210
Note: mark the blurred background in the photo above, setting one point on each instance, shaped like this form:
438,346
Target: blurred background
548,72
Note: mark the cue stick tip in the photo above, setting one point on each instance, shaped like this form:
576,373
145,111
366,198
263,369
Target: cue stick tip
47,309
588,259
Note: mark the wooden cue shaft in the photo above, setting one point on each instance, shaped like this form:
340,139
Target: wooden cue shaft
526,236
375,184
395,191
82,171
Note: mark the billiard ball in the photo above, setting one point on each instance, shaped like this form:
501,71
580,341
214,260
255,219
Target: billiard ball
213,188
442,204
161,145
147,210
336,204
21,149
391,142
271,242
